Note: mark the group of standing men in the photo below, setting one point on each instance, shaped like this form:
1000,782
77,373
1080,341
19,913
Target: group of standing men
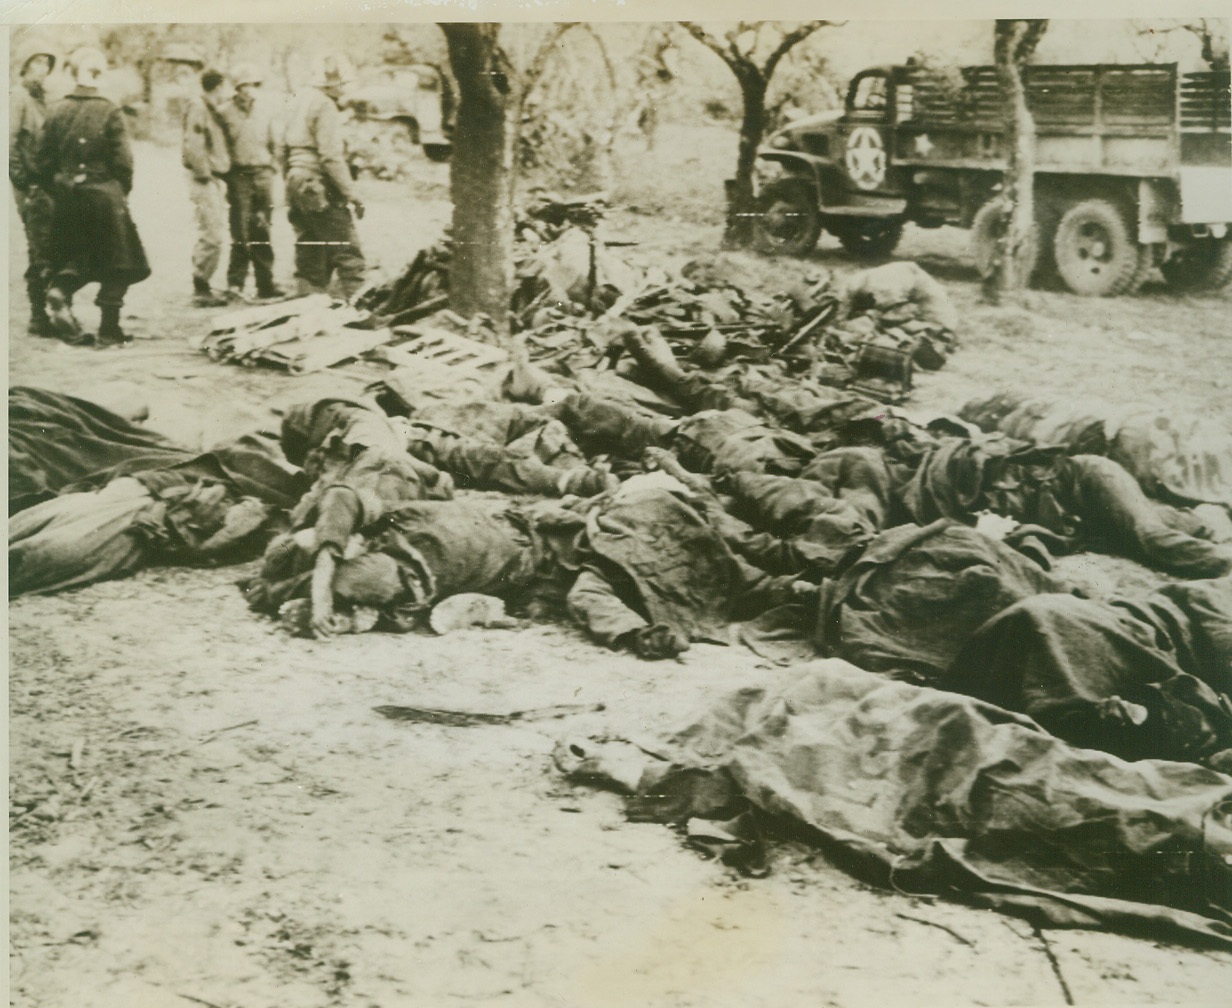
71,167
232,148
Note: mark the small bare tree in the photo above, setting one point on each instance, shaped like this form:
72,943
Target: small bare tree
752,51
1014,42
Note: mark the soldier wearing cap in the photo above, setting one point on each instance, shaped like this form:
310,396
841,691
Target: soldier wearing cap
208,161
27,112
85,161
250,137
320,203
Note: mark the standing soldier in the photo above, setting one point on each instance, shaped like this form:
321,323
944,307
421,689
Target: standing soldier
320,202
85,161
207,160
27,112
250,136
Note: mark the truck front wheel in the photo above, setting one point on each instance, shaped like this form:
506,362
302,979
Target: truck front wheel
1202,265
1096,252
788,221
867,239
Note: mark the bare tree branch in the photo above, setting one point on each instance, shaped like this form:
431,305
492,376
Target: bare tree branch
710,42
535,70
789,42
1033,31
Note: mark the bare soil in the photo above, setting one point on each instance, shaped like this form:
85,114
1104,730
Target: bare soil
207,812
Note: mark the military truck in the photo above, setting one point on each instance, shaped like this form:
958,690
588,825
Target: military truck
418,105
1133,170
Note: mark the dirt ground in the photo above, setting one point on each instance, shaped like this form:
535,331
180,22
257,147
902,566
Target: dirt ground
206,812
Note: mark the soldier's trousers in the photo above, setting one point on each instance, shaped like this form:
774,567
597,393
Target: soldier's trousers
251,202
486,466
210,212
35,207
325,238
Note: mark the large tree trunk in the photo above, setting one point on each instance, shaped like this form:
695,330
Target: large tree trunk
481,274
740,199
1015,41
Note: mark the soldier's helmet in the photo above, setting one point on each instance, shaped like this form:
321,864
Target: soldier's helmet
247,73
31,52
333,71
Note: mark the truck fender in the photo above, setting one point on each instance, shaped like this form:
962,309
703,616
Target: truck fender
807,165
1158,205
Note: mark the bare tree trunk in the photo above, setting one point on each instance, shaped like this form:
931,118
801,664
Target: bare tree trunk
741,202
1015,41
481,273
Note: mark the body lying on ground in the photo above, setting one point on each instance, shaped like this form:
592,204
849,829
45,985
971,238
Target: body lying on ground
637,567
94,497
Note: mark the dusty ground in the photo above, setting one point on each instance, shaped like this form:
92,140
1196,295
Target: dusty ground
206,812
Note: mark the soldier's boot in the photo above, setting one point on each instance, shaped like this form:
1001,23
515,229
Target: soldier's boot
267,290
64,324
205,296
40,324
109,332
654,356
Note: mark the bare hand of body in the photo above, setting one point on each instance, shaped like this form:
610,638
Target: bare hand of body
325,622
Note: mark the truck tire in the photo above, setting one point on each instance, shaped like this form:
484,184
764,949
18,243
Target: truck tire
986,230
788,221
1202,265
1096,253
867,239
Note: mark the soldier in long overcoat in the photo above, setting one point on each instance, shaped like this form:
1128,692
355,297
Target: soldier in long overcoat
85,161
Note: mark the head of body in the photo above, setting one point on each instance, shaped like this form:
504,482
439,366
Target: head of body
86,66
212,88
247,80
35,70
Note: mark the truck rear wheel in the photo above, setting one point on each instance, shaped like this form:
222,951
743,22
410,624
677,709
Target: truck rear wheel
1202,265
788,221
868,239
1096,253
987,229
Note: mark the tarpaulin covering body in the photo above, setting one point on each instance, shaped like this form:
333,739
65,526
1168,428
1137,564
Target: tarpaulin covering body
945,792
59,443
55,440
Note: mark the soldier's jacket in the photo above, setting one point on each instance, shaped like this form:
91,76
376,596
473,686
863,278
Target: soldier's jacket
26,117
204,151
312,142
250,133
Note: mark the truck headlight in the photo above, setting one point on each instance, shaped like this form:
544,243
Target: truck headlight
781,141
